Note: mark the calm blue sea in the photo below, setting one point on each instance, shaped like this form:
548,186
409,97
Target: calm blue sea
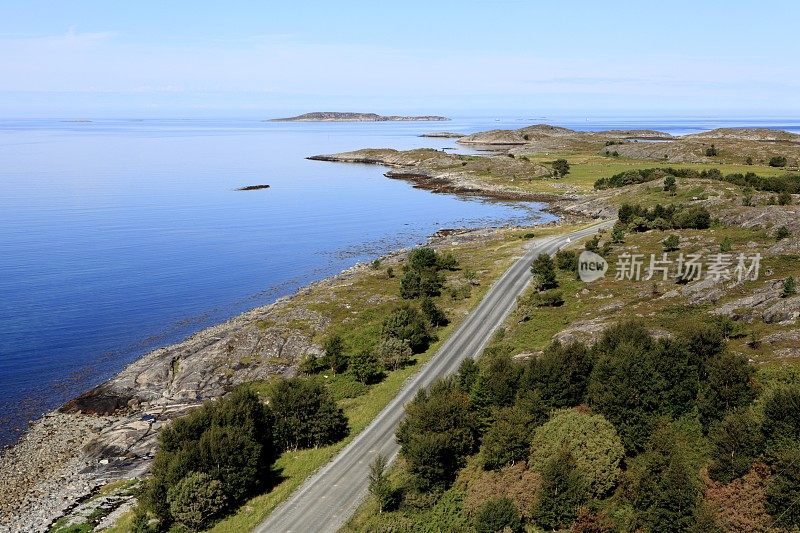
120,236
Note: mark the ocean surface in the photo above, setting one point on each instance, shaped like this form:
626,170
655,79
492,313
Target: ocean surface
120,236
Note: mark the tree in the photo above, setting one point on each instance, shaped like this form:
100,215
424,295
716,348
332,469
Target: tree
777,161
671,243
635,380
393,353
365,367
407,324
544,273
306,415
507,441
663,487
560,168
230,440
593,244
467,374
335,357
196,500
563,491
437,434
669,185
783,492
379,485
496,386
711,151
567,260
497,515
728,384
737,442
435,316
561,374
416,283
781,423
617,234
591,440
789,287
726,245
423,258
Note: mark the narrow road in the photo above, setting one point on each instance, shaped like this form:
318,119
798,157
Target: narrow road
327,499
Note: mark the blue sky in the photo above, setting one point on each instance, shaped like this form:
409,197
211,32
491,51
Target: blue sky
180,58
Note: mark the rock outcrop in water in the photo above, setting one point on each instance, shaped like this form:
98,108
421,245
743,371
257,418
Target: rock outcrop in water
333,116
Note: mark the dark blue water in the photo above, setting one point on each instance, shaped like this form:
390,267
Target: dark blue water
120,236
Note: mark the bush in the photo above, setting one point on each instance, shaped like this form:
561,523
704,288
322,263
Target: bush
561,167
495,386
783,491
365,367
437,434
544,273
669,184
507,441
417,283
567,260
671,243
393,353
663,487
784,198
789,287
406,323
781,233
560,375
781,421
435,316
548,298
737,442
696,217
728,384
497,515
563,491
635,380
711,151
592,441
335,357
306,416
778,161
196,500
229,440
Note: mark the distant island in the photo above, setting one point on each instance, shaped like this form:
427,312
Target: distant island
332,116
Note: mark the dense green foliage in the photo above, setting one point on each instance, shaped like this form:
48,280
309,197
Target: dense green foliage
437,434
592,441
563,491
306,416
407,324
498,515
229,441
544,273
789,183
639,218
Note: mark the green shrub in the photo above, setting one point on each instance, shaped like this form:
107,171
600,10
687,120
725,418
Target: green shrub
507,441
437,434
789,287
393,353
365,367
728,385
781,233
592,441
737,442
497,515
562,492
548,298
777,161
711,151
671,243
544,273
306,416
560,375
406,323
567,260
196,500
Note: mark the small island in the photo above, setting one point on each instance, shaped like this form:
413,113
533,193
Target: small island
332,116
252,187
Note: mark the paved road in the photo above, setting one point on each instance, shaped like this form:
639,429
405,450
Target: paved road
326,500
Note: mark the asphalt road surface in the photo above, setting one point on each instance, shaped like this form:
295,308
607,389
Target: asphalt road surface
327,499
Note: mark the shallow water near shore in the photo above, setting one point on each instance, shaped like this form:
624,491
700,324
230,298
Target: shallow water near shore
120,236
